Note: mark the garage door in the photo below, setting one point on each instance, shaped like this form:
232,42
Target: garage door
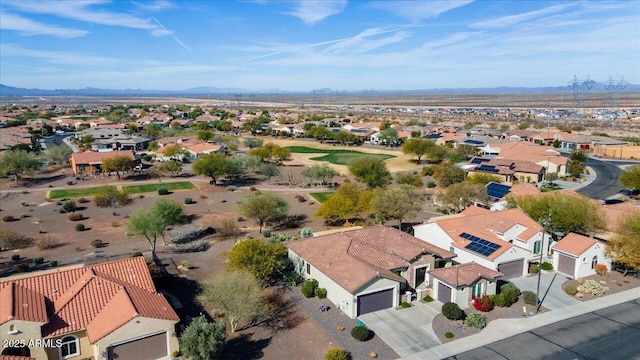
566,264
511,269
375,301
148,348
444,293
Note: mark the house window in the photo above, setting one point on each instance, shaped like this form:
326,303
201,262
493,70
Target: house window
476,290
82,168
69,347
308,269
537,246
594,261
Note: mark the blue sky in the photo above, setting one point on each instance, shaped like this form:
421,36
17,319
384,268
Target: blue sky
305,45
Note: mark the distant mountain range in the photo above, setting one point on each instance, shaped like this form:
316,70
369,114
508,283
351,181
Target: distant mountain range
9,91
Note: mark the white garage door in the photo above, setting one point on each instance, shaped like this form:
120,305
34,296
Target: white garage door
511,269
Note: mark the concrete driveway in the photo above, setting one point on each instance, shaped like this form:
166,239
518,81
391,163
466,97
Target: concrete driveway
556,298
406,331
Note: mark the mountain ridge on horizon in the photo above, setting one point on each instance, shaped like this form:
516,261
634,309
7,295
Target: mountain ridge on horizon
9,91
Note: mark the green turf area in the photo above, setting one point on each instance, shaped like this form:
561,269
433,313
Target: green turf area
75,193
136,189
338,157
321,197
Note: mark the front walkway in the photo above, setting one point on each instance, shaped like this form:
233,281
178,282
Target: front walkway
407,331
556,297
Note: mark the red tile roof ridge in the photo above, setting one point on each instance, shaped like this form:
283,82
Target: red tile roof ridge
72,291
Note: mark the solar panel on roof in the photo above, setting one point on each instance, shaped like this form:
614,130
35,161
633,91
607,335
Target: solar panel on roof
497,191
487,168
478,160
475,142
480,245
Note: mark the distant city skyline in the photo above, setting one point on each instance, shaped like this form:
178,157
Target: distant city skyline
305,45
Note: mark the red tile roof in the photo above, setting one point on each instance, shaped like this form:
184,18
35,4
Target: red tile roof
575,244
92,157
464,274
98,298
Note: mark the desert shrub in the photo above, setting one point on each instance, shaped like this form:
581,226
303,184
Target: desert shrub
111,197
83,200
252,188
309,287
306,233
15,257
427,298
8,218
428,171
147,158
449,335
593,287
38,260
533,269
546,266
476,320
135,254
507,285
530,297
53,263
188,200
405,304
79,227
69,206
484,304
20,268
229,229
321,293
506,298
47,242
360,333
601,269
70,182
431,184
75,217
162,191
193,246
10,240
266,233
292,278
336,354
97,243
452,311
571,290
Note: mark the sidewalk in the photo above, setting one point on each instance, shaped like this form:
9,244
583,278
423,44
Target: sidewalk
504,328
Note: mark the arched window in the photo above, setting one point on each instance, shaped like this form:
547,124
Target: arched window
594,261
69,347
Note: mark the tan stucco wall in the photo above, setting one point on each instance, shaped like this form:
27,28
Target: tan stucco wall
136,328
27,332
618,152
86,350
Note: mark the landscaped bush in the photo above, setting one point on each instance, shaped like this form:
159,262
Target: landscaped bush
306,233
69,206
309,287
47,242
292,278
405,304
188,200
321,293
452,311
530,297
266,233
546,266
147,157
336,354
506,298
75,217
79,227
484,304
136,254
8,218
507,284
428,171
449,335
97,243
22,268
83,200
427,298
476,320
593,287
53,263
431,184
10,240
162,191
15,257
533,269
360,333
571,290
111,197
38,260
601,269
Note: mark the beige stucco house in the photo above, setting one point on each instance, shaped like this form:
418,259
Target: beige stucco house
463,283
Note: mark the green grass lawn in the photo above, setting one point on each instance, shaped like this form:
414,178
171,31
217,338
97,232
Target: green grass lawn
75,193
338,156
136,189
321,197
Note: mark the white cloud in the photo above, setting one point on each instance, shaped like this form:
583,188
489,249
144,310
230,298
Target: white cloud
157,5
30,27
419,10
56,57
510,20
312,12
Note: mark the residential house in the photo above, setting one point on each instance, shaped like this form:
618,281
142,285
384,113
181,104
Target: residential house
507,169
105,311
90,162
515,191
577,255
526,151
367,269
194,151
463,283
506,241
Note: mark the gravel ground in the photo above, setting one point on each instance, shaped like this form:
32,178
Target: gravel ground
441,324
330,320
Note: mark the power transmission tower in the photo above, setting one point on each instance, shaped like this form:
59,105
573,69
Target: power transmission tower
614,87
579,89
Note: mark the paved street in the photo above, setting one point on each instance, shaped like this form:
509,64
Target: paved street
406,331
610,333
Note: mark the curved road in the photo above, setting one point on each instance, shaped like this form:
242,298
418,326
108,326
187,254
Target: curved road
606,183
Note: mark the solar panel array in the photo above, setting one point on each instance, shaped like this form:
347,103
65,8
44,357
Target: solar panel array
488,168
497,191
478,160
479,245
474,142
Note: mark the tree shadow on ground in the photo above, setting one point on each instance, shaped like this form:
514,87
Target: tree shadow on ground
291,222
242,347
284,313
